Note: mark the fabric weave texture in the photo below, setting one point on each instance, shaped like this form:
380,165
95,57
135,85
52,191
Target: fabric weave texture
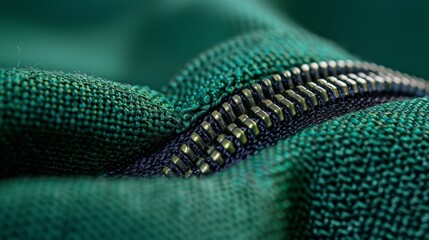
360,175
339,179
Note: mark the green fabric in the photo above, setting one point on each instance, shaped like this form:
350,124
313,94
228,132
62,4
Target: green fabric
360,175
138,42
206,81
357,176
51,122
86,123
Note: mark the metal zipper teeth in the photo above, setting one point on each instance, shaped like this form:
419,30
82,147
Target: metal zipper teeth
285,96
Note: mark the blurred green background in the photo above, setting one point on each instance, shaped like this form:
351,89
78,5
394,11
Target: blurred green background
394,33
148,42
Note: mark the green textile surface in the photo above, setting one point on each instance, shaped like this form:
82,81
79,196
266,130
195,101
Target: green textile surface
86,123
138,42
360,175
52,122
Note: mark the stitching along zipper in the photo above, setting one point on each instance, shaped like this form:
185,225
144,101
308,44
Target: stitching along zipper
248,119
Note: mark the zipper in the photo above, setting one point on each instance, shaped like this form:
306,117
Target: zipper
275,107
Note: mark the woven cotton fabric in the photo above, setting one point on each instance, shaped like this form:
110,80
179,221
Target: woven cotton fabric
59,123
359,175
207,80
87,123
351,177
363,175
